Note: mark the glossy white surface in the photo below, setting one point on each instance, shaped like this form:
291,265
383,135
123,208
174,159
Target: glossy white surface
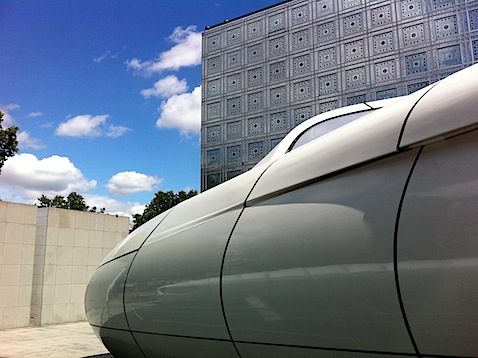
104,294
173,284
314,267
375,134
438,248
449,106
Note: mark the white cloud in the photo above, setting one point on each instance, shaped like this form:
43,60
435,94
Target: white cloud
8,120
185,53
182,111
29,177
87,125
127,183
114,207
26,141
35,114
166,87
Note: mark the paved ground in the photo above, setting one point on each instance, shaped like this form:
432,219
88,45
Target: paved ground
70,340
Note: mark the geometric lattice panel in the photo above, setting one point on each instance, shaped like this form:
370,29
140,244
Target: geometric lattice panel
354,50
255,101
355,77
328,106
213,134
302,90
385,71
325,7
301,64
300,14
414,35
254,29
277,71
214,110
254,77
416,63
233,106
214,64
278,121
214,43
213,157
276,22
475,50
361,98
234,154
234,59
442,4
382,43
255,150
234,36
449,56
327,57
445,27
352,23
277,46
381,15
410,8
234,130
255,125
214,88
213,180
234,82
302,114
300,39
278,95
255,53
328,84
326,31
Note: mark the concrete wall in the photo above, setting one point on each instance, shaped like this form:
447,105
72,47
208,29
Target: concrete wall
47,257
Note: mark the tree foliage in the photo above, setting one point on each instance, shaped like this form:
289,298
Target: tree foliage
73,201
161,202
8,142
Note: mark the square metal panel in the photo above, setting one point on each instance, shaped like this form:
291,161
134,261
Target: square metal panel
278,121
255,125
446,27
234,154
325,7
300,14
328,106
277,71
352,24
416,86
328,84
233,173
213,43
381,15
301,64
213,157
347,4
327,31
255,150
234,59
254,30
355,77
416,63
449,56
234,130
214,65
300,39
410,8
474,45
302,90
442,4
278,95
213,110
387,93
276,22
213,88
302,114
413,35
234,82
277,46
255,77
383,43
255,101
385,71
361,98
255,53
354,50
213,179
234,36
233,106
213,133
473,16
327,58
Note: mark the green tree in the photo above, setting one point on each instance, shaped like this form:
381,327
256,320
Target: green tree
73,201
161,202
8,142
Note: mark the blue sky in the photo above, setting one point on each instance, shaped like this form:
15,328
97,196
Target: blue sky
106,95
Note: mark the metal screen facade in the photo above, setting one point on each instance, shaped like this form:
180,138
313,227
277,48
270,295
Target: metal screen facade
268,71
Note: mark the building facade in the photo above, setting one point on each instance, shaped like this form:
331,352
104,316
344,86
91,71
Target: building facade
266,72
